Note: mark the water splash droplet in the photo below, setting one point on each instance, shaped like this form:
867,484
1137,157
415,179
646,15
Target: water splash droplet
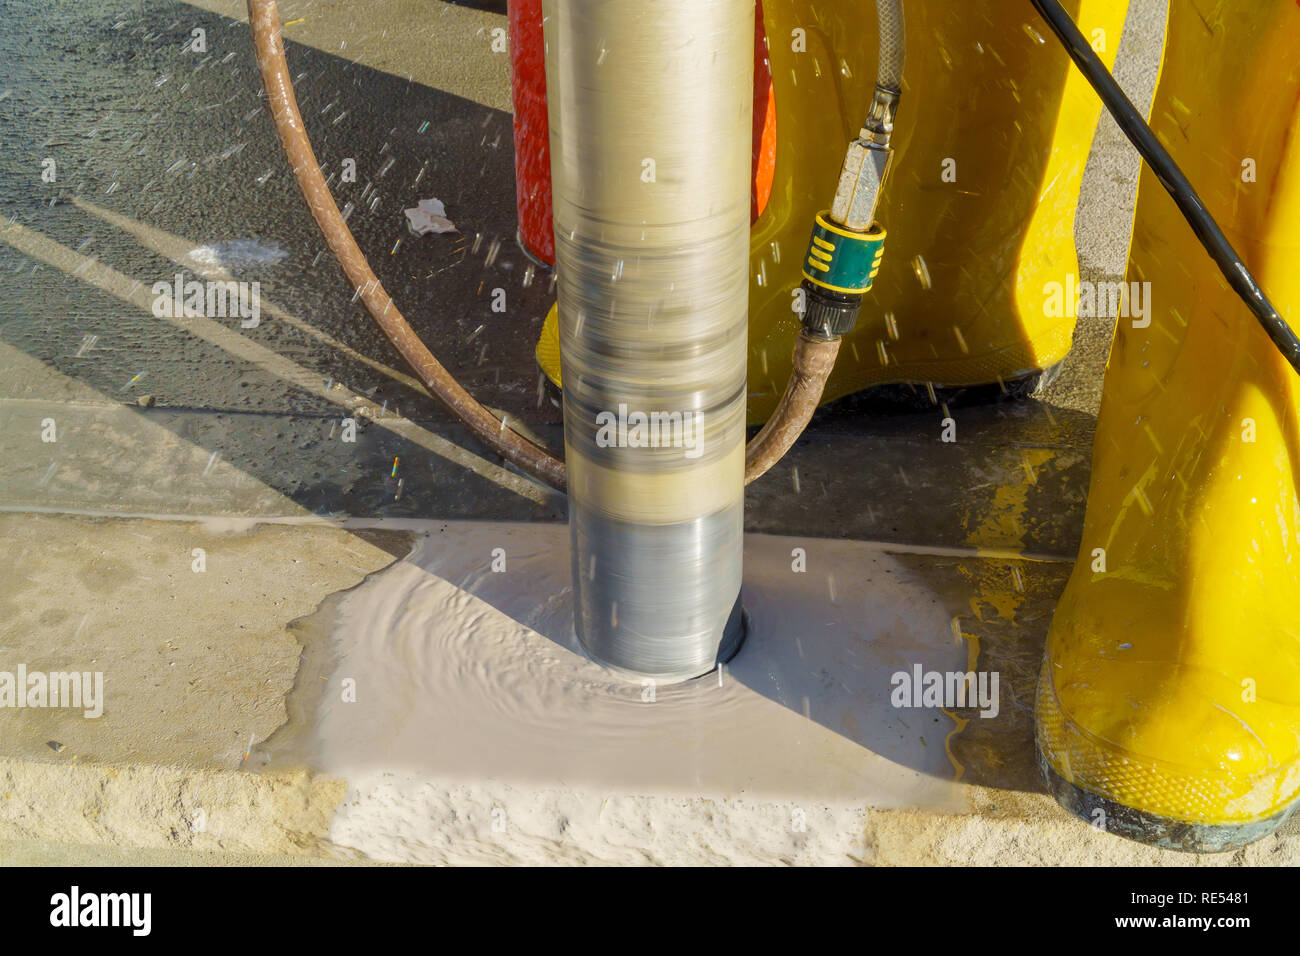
922,272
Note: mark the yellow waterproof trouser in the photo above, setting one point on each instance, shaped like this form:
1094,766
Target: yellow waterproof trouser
1169,704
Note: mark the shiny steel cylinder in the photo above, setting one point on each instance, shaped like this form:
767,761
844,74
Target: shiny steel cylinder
650,108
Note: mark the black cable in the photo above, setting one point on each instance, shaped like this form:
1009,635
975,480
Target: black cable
1171,177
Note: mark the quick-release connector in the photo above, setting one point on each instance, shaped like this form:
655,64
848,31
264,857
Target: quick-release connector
847,243
839,270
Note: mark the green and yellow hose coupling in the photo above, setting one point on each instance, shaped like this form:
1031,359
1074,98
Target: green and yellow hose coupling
842,260
838,270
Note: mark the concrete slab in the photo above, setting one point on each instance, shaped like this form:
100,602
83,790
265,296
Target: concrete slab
584,769
186,622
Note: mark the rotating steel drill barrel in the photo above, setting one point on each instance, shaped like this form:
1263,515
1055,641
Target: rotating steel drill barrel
650,121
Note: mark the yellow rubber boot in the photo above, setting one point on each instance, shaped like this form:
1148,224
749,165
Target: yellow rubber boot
1168,708
993,134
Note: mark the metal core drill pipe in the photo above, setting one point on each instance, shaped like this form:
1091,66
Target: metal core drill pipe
650,117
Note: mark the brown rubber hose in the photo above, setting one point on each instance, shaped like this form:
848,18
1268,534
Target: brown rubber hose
813,361
813,358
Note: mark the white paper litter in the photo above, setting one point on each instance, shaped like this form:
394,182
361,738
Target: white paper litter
429,215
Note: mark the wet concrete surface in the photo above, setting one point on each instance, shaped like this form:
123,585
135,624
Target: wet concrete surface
182,141
158,147
145,129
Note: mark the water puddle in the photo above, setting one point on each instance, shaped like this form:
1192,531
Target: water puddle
440,668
